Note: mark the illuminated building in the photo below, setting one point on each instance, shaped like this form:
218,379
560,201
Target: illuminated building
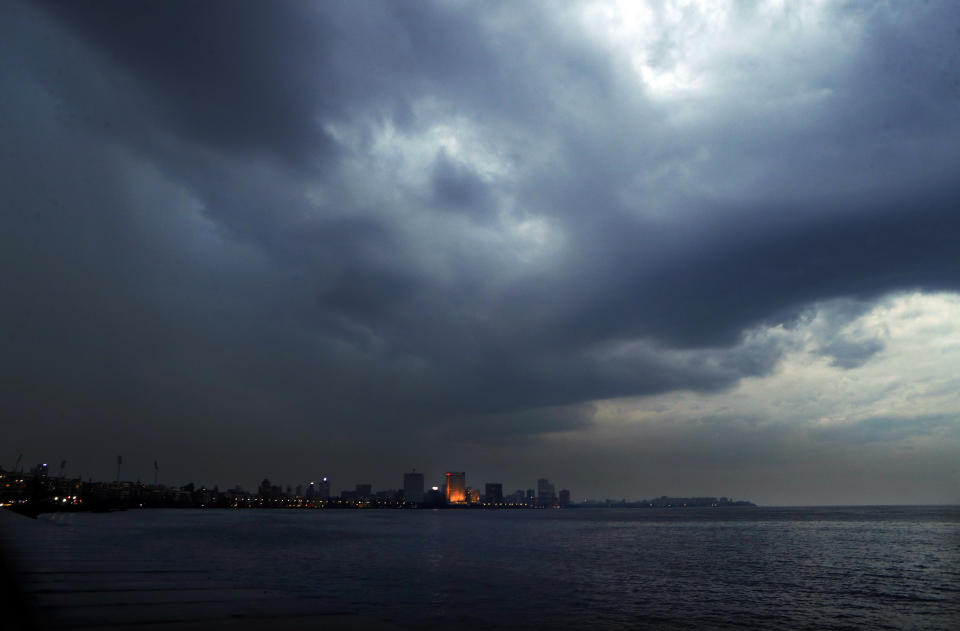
413,486
493,493
456,487
473,495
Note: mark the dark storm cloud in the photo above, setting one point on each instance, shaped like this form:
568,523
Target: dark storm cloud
734,280
219,70
203,215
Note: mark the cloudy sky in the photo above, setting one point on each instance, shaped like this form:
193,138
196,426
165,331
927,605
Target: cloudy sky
700,248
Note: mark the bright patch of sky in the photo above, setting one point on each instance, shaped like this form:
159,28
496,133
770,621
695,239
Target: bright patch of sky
683,49
903,355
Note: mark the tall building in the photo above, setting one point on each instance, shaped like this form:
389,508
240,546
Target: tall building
564,499
456,487
413,487
493,493
323,489
546,495
433,497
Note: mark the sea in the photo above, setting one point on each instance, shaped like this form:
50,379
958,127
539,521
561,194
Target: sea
639,568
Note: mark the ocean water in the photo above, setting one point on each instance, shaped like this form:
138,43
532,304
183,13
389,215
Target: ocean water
755,568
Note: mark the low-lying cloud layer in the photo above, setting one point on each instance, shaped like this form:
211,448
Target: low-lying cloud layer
257,239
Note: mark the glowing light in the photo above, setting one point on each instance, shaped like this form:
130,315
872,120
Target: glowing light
456,487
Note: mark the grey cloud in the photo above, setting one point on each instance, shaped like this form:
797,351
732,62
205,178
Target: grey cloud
516,423
458,187
889,429
184,214
852,354
242,76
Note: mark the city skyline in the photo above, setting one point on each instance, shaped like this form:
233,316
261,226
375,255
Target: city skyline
636,247
41,490
414,484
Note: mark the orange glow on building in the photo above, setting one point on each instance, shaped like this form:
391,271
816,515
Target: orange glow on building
456,487
473,496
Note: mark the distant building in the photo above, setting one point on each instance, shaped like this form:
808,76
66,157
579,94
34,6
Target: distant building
323,489
364,490
564,497
265,487
493,493
413,487
456,487
517,497
545,493
433,497
473,496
